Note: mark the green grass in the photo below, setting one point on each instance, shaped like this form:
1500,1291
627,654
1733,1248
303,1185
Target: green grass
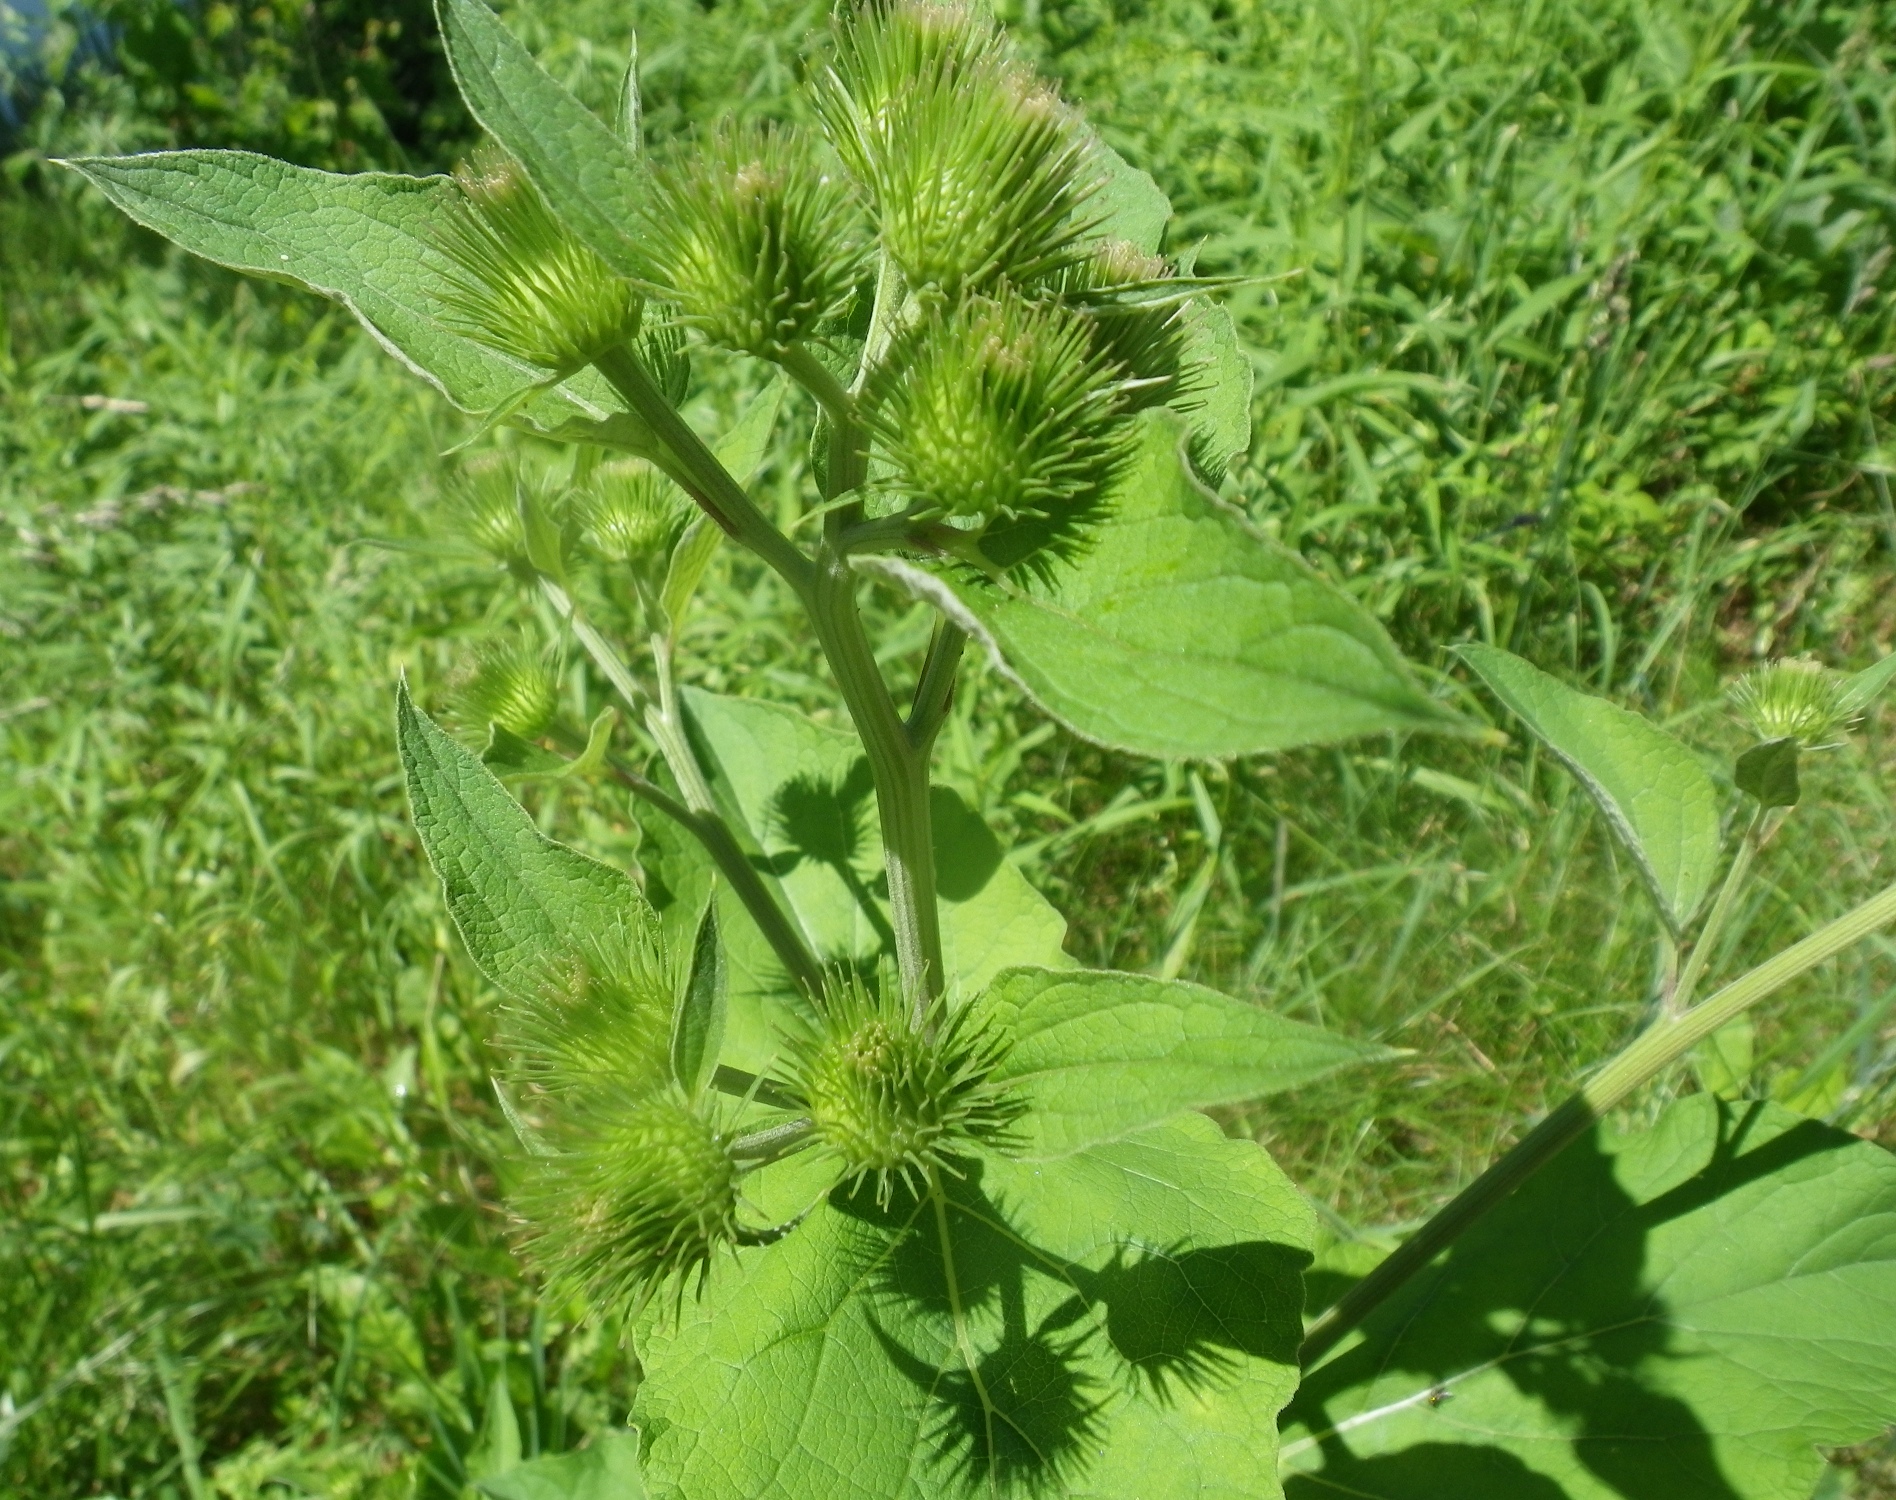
251,1194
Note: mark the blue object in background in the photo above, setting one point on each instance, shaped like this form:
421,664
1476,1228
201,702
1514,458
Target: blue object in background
24,27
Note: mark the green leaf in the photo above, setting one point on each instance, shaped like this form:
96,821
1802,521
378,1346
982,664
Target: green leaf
746,444
1220,415
546,547
1685,1312
798,795
1100,1055
364,240
607,1470
522,902
496,1450
1652,789
589,176
1860,691
698,1022
511,758
1183,632
1129,204
1769,773
1119,1323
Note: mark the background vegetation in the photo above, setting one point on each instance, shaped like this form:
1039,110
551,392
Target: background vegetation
1573,331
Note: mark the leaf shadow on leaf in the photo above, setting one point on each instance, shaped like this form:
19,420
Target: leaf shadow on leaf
1019,1399
828,822
1585,1347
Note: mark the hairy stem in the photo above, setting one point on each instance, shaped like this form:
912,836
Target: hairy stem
667,726
1657,1049
935,691
814,376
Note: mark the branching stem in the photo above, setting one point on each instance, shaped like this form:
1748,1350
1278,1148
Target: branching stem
900,769
1657,1049
827,588
698,470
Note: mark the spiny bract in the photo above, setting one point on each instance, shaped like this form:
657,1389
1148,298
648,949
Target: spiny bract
973,168
755,238
631,512
1000,407
893,1100
521,283
1137,320
1796,700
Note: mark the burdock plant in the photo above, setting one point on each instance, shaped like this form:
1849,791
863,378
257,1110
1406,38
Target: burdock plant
889,1196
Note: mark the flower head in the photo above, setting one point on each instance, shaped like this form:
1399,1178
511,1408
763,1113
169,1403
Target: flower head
755,238
1003,411
520,281
638,1192
974,170
512,686
892,1100
634,1185
1793,700
630,511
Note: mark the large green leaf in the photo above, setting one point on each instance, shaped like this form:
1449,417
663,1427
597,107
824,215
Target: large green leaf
522,902
1183,632
799,796
1122,1322
364,240
1680,1314
608,1469
1101,1055
1652,789
588,174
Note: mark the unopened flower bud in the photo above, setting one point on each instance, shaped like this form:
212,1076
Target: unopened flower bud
890,1100
755,238
974,170
1794,700
511,686
1001,408
486,502
631,511
521,282
640,1192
